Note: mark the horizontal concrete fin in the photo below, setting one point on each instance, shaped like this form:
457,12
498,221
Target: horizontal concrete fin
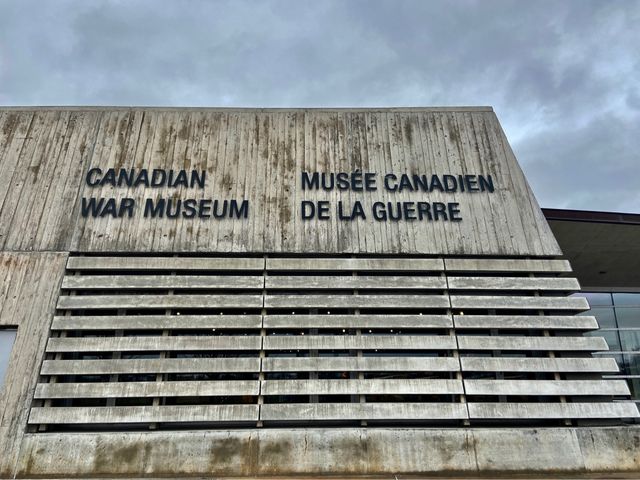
546,387
506,265
102,302
361,387
528,322
356,264
117,282
356,301
147,414
361,364
106,344
147,389
510,364
364,342
519,302
531,343
164,263
156,322
349,282
552,410
150,365
357,321
513,283
365,411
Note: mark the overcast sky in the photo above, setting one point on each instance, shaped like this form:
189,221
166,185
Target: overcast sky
562,76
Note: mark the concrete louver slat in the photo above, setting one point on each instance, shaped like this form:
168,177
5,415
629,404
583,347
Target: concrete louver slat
365,411
119,282
357,321
519,302
122,344
356,264
156,322
356,301
298,364
361,364
469,342
513,283
102,302
362,387
546,387
535,365
526,322
149,365
303,282
552,410
164,263
146,414
364,342
146,389
506,265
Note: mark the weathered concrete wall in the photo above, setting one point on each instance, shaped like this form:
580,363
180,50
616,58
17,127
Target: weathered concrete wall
333,452
259,155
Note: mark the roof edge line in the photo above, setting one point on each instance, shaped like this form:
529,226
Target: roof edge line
591,216
250,109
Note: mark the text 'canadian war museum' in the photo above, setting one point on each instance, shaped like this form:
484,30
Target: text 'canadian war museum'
247,292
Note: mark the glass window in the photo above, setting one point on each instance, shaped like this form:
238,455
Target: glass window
626,299
628,317
630,340
634,386
596,299
618,315
6,342
604,315
633,364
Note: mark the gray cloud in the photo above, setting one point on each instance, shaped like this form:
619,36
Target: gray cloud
564,77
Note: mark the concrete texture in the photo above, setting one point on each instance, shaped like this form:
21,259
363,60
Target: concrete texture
295,452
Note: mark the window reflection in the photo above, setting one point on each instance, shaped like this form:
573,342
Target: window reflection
628,317
618,315
632,361
630,340
629,299
7,338
597,299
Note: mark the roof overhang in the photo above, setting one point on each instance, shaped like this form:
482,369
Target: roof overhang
603,247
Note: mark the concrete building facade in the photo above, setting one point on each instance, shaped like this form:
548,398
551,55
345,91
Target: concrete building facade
223,292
